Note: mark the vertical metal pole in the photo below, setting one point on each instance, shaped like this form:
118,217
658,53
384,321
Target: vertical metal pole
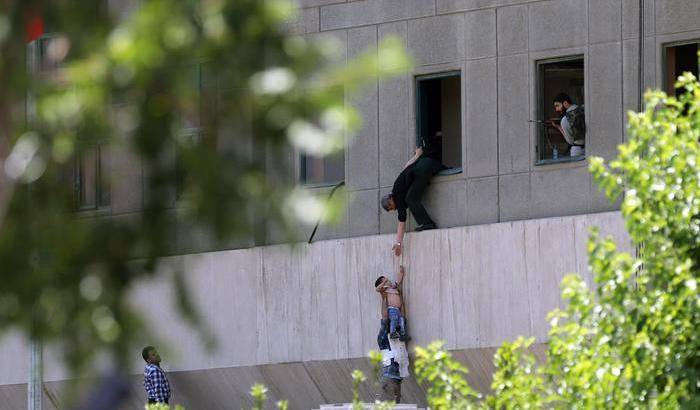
36,371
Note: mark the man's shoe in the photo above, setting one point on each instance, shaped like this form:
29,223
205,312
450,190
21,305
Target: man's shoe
426,227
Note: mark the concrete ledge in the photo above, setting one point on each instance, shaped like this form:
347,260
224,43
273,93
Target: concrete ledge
305,385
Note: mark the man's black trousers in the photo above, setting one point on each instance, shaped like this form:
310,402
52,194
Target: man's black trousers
423,171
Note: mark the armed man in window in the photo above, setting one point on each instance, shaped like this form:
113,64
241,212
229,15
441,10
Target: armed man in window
573,123
410,185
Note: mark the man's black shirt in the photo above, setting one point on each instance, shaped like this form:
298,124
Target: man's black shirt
398,193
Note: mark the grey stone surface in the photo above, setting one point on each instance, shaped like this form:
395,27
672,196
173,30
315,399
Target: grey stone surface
551,233
482,200
360,13
363,212
337,227
605,20
394,135
437,39
630,75
512,25
651,58
304,22
336,42
630,18
564,191
451,6
676,15
513,113
481,118
514,197
558,24
445,201
603,114
361,156
125,180
500,295
480,31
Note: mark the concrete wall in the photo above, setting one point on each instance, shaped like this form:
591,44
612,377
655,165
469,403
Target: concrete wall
473,287
495,44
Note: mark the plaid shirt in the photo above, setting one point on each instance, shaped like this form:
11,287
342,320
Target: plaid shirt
156,383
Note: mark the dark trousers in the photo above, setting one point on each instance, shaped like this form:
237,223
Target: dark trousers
391,389
423,170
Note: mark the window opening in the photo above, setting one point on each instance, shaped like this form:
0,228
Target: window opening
439,117
197,112
91,178
679,59
561,126
326,170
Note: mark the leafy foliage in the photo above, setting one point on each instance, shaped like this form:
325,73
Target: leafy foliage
444,376
126,84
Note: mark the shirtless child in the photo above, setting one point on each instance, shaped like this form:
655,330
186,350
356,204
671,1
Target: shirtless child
391,298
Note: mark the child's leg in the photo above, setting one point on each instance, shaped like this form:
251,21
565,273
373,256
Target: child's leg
394,318
403,332
382,340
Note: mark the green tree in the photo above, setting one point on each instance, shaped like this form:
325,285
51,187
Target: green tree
126,83
633,341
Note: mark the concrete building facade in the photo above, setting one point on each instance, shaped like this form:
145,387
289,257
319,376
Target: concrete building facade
300,318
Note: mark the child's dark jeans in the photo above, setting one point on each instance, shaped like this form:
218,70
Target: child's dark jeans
394,321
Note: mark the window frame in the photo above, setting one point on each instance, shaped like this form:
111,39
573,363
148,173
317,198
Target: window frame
99,187
302,158
540,106
417,79
664,58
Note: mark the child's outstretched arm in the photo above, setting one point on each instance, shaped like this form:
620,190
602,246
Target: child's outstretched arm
399,278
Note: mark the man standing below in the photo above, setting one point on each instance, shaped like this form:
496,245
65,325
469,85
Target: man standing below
573,123
154,379
410,185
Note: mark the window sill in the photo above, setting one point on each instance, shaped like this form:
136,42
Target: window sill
450,174
560,160
94,212
320,186
450,171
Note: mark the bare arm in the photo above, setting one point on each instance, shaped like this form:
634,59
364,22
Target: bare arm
402,273
398,244
384,306
414,158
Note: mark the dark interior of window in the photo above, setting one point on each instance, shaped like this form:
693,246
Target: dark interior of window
91,178
438,110
679,59
559,76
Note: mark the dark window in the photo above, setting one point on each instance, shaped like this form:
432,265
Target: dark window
196,113
322,170
439,113
557,76
92,178
679,59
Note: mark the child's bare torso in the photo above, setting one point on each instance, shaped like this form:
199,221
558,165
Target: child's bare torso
393,297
